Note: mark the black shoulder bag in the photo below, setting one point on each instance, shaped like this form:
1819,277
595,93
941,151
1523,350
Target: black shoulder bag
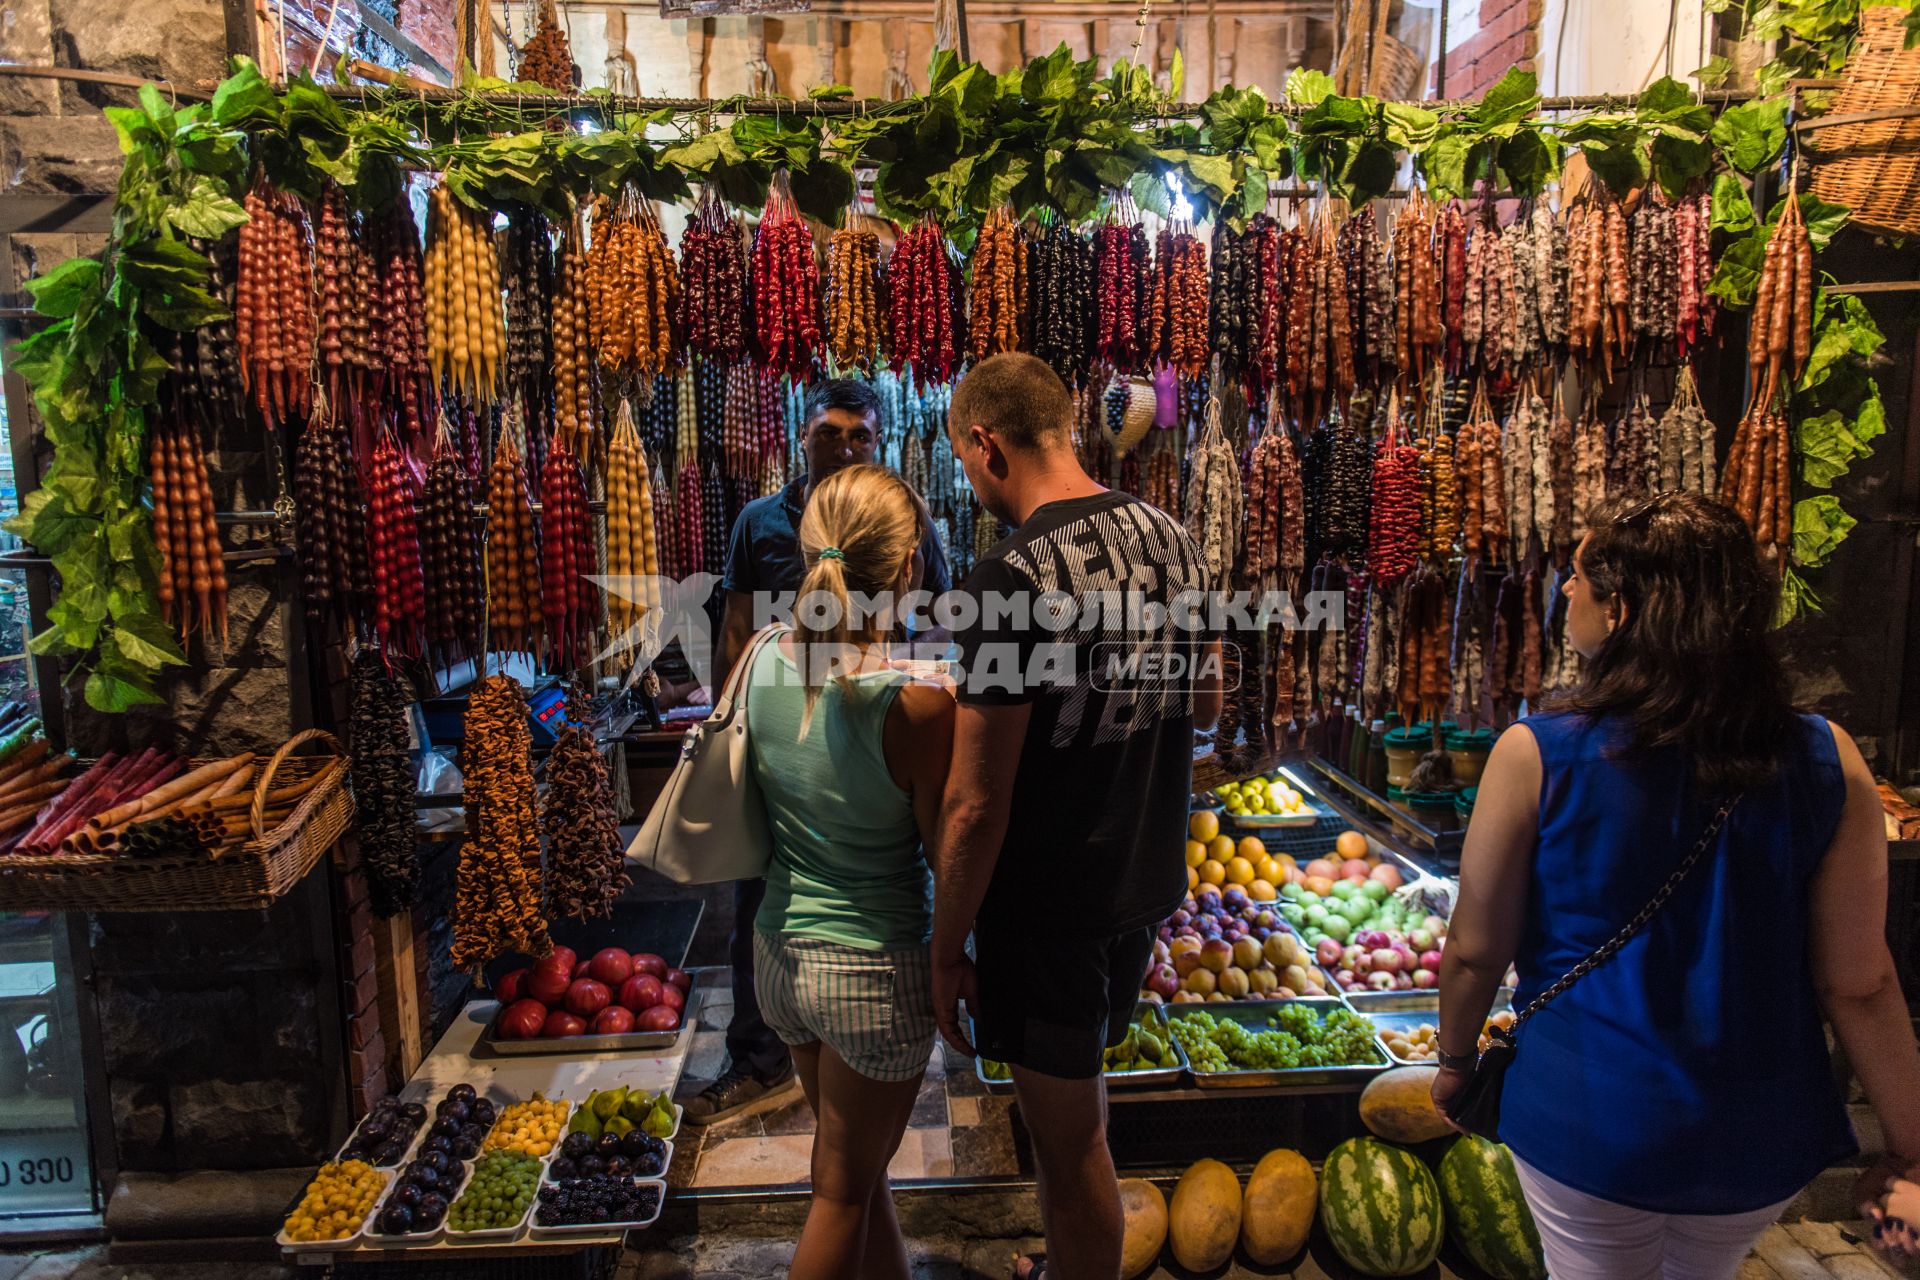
1476,1108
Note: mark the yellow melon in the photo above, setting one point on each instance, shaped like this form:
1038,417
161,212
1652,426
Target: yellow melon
1146,1213
1277,1212
1204,1223
1398,1106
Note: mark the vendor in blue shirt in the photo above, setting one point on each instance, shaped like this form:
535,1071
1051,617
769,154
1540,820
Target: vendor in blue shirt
764,560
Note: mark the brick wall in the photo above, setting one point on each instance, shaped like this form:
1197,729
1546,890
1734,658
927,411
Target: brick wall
1508,36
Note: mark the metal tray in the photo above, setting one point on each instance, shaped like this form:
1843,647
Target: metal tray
587,1044
1114,1079
1254,1016
1156,1014
1405,1010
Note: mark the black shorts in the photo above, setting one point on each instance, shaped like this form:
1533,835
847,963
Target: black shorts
1055,1004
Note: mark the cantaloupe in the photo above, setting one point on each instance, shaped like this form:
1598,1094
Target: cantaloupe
1146,1214
1277,1211
1398,1106
1204,1223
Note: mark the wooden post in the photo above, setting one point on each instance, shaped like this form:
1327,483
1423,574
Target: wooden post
399,997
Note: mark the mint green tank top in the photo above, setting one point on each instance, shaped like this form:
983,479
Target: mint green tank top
847,864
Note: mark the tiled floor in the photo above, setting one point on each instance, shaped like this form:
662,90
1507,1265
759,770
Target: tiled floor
955,1130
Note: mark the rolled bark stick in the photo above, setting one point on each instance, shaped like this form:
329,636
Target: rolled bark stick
74,796
159,798
29,756
286,795
28,779
220,786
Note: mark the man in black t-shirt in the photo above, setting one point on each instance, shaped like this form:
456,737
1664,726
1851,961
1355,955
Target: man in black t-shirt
1062,827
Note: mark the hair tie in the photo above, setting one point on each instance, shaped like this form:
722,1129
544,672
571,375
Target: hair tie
832,553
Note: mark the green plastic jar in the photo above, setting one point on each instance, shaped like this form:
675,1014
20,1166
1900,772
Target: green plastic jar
1469,749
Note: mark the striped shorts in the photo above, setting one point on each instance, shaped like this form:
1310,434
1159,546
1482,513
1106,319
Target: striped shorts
873,1008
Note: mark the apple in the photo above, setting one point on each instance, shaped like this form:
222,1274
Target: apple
1160,953
647,962
563,956
1216,954
511,987
1420,940
611,1021
658,1018
561,1023
587,997
548,984
1403,981
1434,925
521,1020
1347,979
1430,960
1363,963
1387,960
1425,979
1381,982
1163,980
641,992
679,978
610,967
1388,875
673,997
1329,953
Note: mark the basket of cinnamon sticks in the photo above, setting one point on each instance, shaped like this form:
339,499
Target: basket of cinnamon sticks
149,832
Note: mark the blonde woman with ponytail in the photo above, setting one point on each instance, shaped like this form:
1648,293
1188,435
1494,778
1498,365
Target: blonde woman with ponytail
851,756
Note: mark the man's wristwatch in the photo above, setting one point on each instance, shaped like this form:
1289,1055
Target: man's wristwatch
1455,1061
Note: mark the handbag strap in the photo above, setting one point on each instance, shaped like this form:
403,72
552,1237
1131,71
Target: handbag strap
1608,949
733,691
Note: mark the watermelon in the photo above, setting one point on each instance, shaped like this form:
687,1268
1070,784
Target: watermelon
1381,1208
1486,1214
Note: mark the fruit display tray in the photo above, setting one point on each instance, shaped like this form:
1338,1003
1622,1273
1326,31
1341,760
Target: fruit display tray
1310,816
1115,1079
1405,1010
1254,1015
347,1241
491,1043
539,1232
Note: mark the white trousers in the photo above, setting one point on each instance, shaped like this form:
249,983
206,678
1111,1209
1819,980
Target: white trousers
1587,1238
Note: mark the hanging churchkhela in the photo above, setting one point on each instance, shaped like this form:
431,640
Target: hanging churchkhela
274,303
997,293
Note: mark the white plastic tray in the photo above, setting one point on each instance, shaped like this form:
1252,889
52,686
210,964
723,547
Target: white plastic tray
344,1242
606,1228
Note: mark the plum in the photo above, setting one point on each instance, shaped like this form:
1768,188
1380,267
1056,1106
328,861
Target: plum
577,1144
415,1113
396,1220
433,1208
461,1091
408,1194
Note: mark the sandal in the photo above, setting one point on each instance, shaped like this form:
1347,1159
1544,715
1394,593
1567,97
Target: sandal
1036,1266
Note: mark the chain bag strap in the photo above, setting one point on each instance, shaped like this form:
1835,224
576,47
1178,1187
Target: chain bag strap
1476,1108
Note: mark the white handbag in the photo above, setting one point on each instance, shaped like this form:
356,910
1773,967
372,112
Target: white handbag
709,824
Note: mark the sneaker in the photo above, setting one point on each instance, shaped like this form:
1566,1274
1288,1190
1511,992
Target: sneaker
738,1092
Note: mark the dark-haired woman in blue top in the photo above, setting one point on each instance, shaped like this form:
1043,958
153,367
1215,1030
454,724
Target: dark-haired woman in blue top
1667,1106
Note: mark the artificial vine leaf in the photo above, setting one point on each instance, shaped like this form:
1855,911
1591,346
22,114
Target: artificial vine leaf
1820,525
823,190
245,99
1823,220
146,641
113,695
1409,127
1513,99
1751,134
1307,87
208,211
830,92
1444,165
59,292
1732,209
1529,162
1827,444
1232,114
1736,276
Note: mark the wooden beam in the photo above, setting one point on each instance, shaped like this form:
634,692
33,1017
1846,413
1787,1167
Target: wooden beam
399,996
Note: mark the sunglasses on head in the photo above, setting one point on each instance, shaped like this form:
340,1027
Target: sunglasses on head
1640,511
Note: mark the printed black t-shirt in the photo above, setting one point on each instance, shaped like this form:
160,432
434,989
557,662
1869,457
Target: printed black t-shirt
1096,829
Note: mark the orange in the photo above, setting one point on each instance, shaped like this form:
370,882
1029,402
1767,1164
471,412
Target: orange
1351,844
1251,849
1203,825
1193,879
1240,871
1196,853
1270,869
1220,848
1262,891
1212,872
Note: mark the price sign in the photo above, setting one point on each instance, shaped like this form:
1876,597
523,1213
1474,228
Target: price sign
44,1171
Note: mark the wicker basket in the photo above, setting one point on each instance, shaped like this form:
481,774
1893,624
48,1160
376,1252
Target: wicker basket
1873,167
244,877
